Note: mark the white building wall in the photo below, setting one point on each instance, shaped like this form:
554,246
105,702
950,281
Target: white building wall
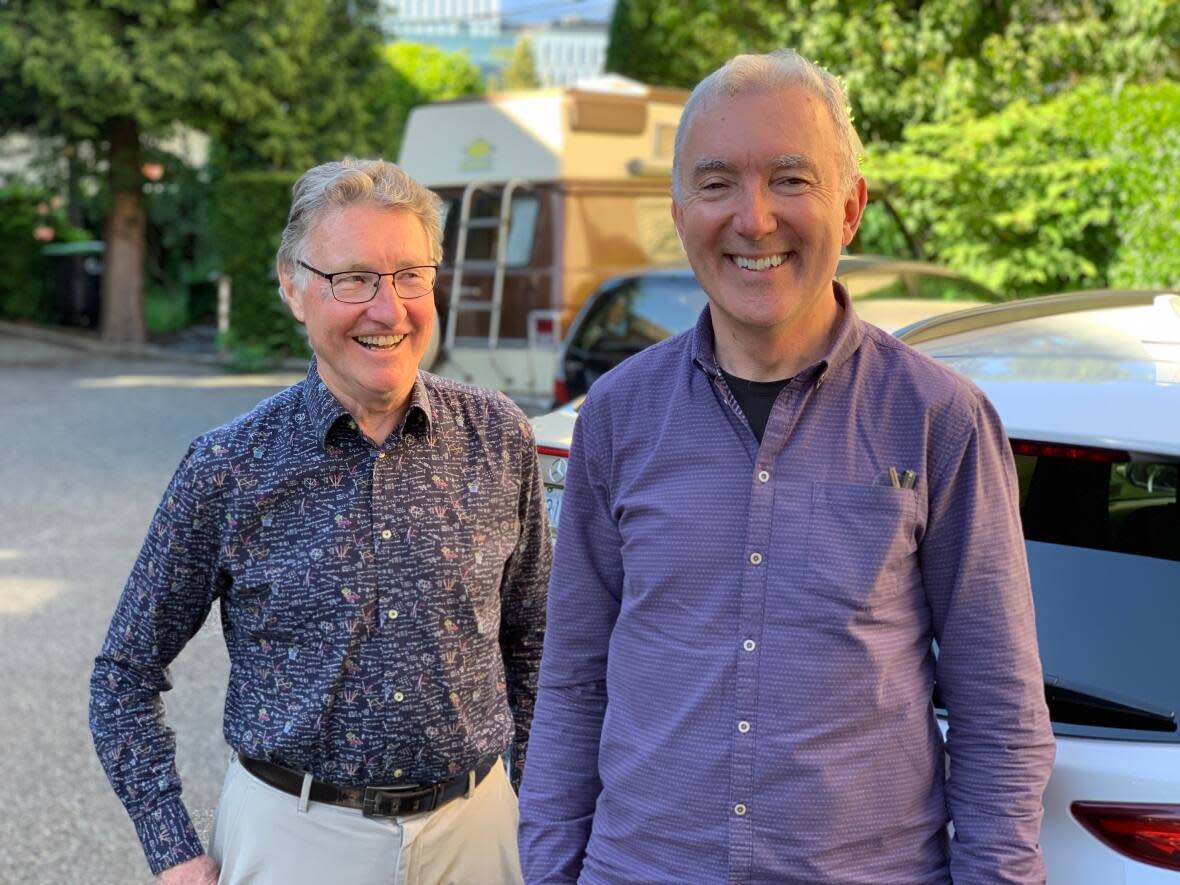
423,18
565,56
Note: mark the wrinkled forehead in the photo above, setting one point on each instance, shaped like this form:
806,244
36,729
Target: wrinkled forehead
775,128
343,230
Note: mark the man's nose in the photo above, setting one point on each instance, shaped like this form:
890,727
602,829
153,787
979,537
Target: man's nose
754,218
387,303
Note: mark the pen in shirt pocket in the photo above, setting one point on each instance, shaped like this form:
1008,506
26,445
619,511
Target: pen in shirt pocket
904,480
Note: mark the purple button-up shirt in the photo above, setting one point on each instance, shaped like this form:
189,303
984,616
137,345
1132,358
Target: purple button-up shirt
736,684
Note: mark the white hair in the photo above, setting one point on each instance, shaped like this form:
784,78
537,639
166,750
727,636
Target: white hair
751,74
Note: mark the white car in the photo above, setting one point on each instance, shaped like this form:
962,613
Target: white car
1088,387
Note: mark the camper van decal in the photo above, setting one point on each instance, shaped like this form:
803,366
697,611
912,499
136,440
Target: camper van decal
478,156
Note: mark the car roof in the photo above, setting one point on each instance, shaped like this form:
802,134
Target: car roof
847,264
1098,368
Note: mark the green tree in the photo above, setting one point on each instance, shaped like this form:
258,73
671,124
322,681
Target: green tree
281,85
1080,191
418,74
521,70
908,62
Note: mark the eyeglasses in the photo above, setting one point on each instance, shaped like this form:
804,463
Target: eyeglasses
359,286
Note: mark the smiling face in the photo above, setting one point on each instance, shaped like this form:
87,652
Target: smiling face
763,214
368,354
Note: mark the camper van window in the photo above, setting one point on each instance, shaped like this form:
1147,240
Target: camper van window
481,241
522,230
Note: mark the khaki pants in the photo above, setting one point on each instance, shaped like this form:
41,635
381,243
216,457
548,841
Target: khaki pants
261,837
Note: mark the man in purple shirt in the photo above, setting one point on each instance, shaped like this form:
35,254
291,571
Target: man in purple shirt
778,530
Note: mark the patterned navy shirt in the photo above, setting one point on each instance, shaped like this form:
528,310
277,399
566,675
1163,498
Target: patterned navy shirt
383,608
738,669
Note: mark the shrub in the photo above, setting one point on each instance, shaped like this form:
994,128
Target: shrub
1081,191
27,212
1138,130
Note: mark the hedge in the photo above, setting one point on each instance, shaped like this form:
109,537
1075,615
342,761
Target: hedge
249,213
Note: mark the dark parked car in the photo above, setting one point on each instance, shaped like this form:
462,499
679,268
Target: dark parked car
628,313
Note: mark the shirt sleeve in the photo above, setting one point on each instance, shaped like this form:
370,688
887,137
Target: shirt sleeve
562,784
975,571
165,601
523,592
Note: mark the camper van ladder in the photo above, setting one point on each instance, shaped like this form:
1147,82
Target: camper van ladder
466,223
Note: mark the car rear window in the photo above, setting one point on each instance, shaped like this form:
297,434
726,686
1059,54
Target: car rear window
639,313
1103,537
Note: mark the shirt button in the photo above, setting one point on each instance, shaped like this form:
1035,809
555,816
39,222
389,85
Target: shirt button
392,613
398,696
749,645
755,558
397,772
743,726
739,810
381,457
386,534
763,476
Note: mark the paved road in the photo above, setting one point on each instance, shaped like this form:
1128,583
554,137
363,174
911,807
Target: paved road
87,445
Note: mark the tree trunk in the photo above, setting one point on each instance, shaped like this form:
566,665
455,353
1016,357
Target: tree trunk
124,231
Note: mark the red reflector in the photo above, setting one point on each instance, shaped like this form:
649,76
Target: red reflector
561,393
543,325
1149,834
550,450
1075,453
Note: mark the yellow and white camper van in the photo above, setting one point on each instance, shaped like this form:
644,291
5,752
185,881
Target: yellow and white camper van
547,193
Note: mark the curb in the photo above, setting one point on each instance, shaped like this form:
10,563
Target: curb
86,341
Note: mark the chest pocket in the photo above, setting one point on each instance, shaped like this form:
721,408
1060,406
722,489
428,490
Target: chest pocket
860,545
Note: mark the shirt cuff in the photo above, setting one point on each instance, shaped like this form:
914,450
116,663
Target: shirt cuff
168,836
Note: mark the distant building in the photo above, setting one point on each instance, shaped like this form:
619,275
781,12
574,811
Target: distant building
419,19
568,51
564,52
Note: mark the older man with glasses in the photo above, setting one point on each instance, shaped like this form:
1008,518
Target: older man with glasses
375,538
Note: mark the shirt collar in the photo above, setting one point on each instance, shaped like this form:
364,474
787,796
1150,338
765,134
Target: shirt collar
849,333
325,410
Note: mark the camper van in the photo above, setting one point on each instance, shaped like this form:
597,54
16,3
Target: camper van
546,193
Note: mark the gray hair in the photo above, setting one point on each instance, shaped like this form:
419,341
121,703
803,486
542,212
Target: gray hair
352,182
750,74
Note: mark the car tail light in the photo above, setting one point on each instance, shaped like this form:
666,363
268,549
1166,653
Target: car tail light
561,393
1072,453
1149,834
553,451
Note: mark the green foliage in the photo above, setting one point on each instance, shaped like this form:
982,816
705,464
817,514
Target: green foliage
906,62
166,311
292,83
417,74
1077,192
521,70
282,85
27,212
249,213
1138,131
180,258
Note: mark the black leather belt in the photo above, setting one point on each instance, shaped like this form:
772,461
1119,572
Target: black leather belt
373,801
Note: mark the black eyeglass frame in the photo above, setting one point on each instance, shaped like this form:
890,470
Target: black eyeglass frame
330,277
